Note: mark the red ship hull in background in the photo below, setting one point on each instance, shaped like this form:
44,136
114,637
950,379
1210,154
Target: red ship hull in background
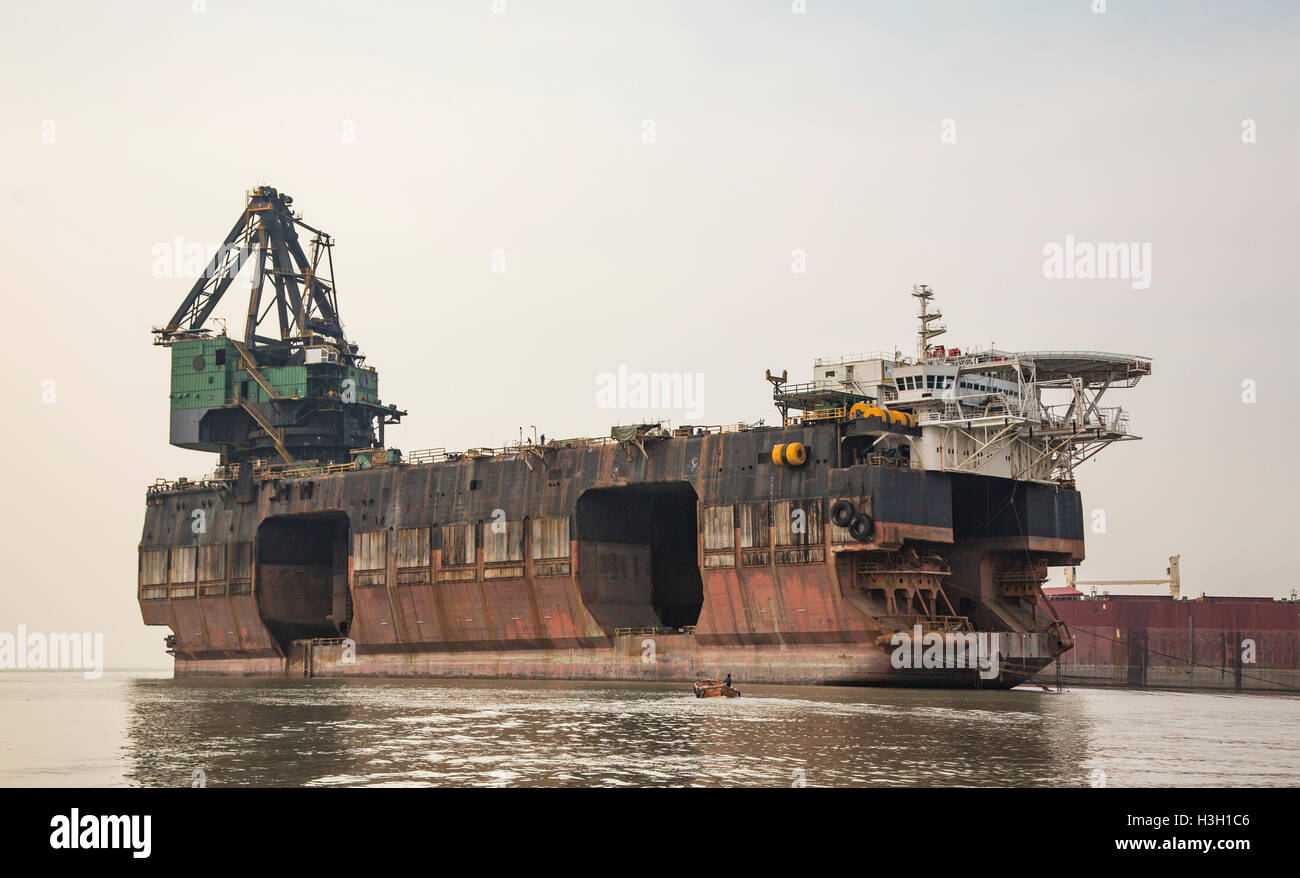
1249,644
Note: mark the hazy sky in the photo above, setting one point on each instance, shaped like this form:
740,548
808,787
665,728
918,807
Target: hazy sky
427,136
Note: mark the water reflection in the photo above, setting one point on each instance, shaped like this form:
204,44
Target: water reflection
329,732
60,729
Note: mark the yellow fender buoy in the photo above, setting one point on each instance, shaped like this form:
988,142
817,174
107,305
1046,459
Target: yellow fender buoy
778,455
906,419
866,410
796,454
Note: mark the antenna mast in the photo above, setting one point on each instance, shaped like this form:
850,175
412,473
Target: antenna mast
924,294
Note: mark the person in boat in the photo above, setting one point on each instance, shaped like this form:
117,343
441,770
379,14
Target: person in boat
727,682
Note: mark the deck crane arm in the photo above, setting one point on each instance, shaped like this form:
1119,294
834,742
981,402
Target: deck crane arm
305,303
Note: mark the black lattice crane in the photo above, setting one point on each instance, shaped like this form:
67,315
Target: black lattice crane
304,395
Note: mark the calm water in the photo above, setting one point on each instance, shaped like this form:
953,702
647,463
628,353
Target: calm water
149,730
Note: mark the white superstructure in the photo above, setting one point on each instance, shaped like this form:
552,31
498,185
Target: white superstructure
1032,415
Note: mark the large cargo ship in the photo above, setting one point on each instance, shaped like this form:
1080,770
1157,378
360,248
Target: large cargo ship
894,529
1168,641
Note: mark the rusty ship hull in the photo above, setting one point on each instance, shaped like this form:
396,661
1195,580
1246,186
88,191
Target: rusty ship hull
693,555
1243,644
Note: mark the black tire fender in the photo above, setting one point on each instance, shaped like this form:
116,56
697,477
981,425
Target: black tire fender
842,513
860,527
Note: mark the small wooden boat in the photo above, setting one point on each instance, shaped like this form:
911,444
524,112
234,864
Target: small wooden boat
714,689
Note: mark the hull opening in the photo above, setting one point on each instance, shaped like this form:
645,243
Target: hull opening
302,576
638,559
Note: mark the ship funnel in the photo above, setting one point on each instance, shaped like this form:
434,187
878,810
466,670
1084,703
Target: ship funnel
1175,587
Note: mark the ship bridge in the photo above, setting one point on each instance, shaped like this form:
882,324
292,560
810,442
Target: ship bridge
1032,415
